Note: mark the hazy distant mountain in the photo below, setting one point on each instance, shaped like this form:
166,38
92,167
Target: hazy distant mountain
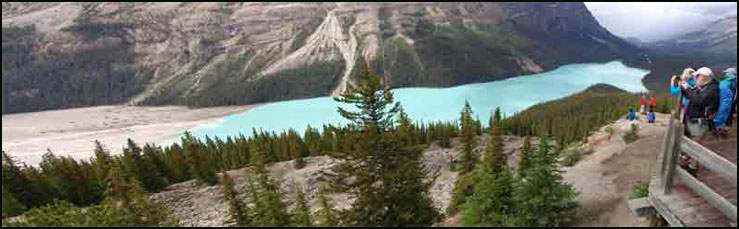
58,55
717,40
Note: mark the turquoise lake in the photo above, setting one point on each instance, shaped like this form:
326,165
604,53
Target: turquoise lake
442,104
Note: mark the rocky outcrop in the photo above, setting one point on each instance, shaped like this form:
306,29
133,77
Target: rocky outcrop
201,206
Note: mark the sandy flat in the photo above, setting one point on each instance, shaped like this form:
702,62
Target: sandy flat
72,132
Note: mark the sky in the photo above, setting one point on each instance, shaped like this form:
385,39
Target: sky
654,21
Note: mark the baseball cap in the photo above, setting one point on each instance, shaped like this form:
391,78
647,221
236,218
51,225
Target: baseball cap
730,71
703,71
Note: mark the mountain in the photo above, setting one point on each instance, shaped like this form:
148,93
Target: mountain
717,40
715,47
60,55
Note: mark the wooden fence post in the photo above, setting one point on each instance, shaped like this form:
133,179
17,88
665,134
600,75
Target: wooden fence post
666,146
674,154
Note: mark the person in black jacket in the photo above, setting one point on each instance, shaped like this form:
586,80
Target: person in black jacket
704,103
702,109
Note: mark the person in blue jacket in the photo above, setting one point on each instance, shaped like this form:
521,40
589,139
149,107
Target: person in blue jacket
687,76
652,116
632,115
727,91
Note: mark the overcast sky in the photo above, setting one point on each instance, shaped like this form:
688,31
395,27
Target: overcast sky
651,21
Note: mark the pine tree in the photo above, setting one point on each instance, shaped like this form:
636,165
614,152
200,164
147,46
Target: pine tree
492,203
11,205
301,213
269,209
238,210
327,216
376,162
405,129
495,158
469,142
544,182
200,165
102,162
525,162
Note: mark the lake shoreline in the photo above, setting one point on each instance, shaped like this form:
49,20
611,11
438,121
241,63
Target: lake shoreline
72,132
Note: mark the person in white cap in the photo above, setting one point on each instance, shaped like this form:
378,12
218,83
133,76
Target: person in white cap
704,103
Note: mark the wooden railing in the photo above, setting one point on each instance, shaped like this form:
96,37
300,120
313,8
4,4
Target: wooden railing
673,145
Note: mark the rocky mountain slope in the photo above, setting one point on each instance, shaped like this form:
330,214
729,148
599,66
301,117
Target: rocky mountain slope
58,55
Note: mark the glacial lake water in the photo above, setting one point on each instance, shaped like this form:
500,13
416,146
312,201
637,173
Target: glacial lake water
437,104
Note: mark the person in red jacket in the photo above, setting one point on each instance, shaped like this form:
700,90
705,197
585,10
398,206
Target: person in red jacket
643,103
652,103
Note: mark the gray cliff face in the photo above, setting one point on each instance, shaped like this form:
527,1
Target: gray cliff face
206,54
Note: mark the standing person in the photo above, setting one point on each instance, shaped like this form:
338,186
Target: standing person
643,104
727,90
652,116
704,103
652,102
632,115
675,87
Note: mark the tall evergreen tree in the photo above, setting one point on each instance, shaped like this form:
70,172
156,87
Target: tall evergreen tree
492,204
238,210
525,162
102,162
376,161
269,210
543,199
11,205
200,165
327,215
469,141
495,158
301,213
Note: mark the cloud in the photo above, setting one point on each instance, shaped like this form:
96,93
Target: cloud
651,21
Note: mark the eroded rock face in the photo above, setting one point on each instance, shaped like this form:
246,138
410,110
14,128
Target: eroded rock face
207,54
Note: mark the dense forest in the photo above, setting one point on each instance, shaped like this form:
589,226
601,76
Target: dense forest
573,118
390,186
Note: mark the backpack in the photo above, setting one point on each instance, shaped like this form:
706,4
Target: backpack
730,122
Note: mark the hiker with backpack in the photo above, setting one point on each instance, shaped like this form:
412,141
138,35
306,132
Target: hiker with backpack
727,91
703,105
702,109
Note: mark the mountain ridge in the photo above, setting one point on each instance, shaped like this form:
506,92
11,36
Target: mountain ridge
212,54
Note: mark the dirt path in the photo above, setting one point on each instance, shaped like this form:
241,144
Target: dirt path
606,178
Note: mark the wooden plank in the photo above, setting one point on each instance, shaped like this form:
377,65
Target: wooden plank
708,158
723,205
672,163
664,211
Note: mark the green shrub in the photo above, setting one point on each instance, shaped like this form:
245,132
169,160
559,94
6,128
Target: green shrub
571,157
631,135
640,191
610,132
